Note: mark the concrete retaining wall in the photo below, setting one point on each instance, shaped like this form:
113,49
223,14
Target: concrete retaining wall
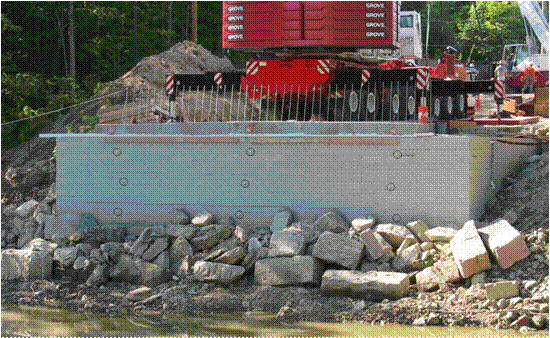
150,173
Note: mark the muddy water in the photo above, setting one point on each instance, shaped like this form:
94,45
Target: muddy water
40,321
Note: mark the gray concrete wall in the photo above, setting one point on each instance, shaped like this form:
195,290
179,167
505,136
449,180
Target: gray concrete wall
150,177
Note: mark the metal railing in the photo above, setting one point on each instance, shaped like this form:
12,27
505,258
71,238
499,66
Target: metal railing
385,101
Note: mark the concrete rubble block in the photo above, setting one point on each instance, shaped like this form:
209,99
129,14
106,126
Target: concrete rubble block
523,320
182,218
254,255
44,208
177,230
242,233
393,234
112,249
163,260
26,209
409,259
139,294
419,228
203,219
505,243
425,246
210,236
308,232
504,289
125,270
43,219
26,265
448,271
339,249
428,279
295,270
99,275
152,274
374,248
362,224
215,253
185,265
159,245
332,222
287,243
407,242
142,243
83,269
217,272
179,249
469,251
232,257
372,284
85,248
440,234
66,256
281,220
39,244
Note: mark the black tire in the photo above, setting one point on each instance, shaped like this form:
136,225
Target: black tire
460,104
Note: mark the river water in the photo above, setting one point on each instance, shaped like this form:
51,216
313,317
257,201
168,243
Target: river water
42,321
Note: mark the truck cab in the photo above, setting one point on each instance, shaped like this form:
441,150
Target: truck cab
410,35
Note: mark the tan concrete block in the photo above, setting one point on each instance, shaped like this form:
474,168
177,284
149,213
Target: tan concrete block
447,270
419,228
505,289
441,234
427,279
376,284
374,249
469,251
505,242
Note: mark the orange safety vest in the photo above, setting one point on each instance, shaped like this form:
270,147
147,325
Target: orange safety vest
529,71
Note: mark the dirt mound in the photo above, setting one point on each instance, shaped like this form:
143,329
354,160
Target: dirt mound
149,74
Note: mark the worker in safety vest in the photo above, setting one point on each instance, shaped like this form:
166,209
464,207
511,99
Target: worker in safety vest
529,78
501,72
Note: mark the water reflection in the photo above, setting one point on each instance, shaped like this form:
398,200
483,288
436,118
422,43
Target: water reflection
40,321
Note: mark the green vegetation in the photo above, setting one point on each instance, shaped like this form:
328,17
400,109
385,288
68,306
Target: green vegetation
55,54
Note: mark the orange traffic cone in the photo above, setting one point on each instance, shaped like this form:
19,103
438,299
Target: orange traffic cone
478,104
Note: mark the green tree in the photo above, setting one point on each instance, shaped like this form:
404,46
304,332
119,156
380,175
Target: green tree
489,26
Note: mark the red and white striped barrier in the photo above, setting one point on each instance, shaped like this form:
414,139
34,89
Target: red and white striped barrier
422,78
170,84
252,67
323,66
365,76
500,92
218,79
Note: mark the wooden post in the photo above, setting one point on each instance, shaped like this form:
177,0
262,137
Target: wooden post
194,23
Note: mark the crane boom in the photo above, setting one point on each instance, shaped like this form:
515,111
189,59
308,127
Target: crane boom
534,15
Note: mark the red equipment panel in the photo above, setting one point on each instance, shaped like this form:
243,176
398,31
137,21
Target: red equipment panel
259,25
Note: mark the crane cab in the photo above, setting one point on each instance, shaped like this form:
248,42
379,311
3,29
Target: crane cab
410,35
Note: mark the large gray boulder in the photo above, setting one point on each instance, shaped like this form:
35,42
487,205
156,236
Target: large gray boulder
39,244
26,265
332,222
209,236
371,284
142,243
177,230
26,209
287,242
281,220
419,228
233,256
217,272
66,256
135,270
179,249
295,270
374,249
409,259
159,245
339,249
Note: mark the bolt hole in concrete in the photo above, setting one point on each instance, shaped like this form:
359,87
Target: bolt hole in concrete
117,212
